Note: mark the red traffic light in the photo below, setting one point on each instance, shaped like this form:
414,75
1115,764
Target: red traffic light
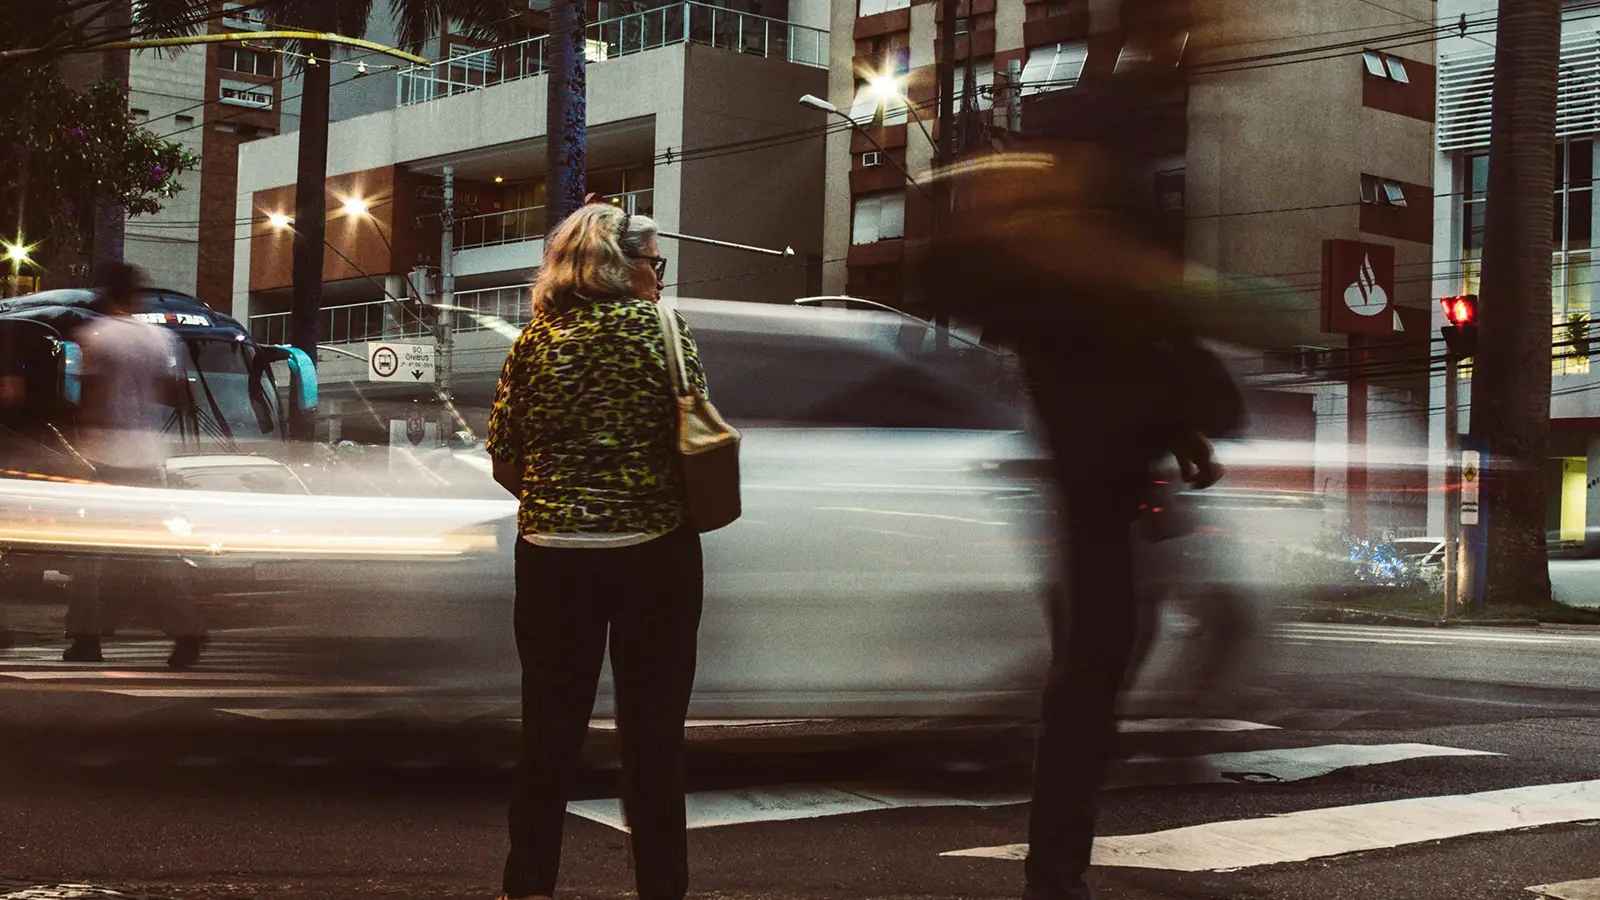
1461,310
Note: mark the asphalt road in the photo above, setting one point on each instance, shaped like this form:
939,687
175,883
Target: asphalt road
1363,763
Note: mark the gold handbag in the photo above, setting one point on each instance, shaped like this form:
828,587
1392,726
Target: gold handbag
708,447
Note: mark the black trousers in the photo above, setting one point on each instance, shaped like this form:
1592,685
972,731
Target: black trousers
1094,621
161,588
648,597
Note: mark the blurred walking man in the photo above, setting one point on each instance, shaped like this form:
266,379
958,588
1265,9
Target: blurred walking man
1049,251
131,381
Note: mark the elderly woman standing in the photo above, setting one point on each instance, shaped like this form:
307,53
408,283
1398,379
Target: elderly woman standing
583,432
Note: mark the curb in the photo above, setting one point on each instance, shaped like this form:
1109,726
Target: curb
1345,616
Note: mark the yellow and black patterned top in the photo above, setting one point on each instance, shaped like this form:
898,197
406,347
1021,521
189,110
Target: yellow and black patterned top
585,408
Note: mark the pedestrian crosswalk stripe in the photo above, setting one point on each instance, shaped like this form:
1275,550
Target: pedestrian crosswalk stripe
1455,635
1588,889
174,693
1290,764
131,675
1318,833
1136,726
710,809
1361,639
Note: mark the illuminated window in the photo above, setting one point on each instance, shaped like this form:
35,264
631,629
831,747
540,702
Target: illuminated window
1054,67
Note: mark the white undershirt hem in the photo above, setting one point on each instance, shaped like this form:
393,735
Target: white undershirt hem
578,541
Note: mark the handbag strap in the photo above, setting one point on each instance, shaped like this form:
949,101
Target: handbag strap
676,373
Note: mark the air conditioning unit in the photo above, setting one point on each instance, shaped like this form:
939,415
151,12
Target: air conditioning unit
1312,360
871,159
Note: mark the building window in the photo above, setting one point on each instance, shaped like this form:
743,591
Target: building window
1055,67
1382,191
982,80
243,93
250,62
879,217
1572,240
1389,68
874,7
183,120
237,17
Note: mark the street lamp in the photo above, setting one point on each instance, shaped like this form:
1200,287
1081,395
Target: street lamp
816,102
889,87
17,253
280,221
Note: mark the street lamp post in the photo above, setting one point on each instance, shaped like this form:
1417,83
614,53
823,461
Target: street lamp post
816,102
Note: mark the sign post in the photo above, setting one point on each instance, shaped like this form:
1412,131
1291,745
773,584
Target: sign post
1358,290
1474,519
1452,488
405,363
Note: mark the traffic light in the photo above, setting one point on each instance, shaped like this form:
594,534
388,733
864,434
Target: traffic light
1461,335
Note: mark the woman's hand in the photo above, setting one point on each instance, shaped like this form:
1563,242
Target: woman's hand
1197,464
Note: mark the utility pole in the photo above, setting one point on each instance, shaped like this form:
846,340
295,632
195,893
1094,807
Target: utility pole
945,153
1452,486
567,113
1014,97
443,332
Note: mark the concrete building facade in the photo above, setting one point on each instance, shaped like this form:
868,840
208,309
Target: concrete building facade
692,120
1299,122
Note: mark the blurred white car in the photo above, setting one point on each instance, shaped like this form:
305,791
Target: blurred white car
249,474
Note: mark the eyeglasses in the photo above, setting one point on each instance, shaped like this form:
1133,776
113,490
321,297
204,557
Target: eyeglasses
658,263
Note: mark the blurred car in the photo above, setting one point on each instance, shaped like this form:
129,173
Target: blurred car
249,474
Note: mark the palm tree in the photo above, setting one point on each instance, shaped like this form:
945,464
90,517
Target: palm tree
417,21
1511,377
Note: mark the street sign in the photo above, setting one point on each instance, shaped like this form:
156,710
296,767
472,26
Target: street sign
409,363
1471,485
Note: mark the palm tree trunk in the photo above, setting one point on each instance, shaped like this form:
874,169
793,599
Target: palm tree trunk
110,220
310,215
1511,375
567,110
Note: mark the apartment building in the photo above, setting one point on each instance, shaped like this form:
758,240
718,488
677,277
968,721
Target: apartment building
1295,153
1466,82
692,119
212,99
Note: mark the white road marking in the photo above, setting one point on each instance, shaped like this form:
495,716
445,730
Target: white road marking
1456,635
710,809
279,691
1570,890
298,714
1317,833
611,724
1361,639
1139,726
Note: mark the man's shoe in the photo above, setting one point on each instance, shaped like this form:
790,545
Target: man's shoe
83,649
185,652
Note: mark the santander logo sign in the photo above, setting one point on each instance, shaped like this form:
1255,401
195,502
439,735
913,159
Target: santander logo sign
1365,296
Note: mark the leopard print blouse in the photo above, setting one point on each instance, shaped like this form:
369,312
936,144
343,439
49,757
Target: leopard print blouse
585,409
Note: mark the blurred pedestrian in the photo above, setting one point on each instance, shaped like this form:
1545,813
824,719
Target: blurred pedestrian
131,382
1049,251
583,433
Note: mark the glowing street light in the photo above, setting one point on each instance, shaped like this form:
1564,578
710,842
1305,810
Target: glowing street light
279,221
18,253
355,206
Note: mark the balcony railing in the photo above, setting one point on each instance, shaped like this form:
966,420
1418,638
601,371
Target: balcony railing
380,320
527,224
350,323
681,23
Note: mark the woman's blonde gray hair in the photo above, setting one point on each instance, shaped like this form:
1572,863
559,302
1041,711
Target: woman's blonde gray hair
590,257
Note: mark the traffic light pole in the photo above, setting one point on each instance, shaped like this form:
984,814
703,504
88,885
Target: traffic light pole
1452,486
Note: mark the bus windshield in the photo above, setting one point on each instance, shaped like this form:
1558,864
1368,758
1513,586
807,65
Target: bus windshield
232,402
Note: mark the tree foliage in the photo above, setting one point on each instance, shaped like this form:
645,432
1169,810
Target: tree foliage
63,148
67,149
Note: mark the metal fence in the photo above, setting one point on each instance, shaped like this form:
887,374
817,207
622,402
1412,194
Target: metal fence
682,23
528,223
349,323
